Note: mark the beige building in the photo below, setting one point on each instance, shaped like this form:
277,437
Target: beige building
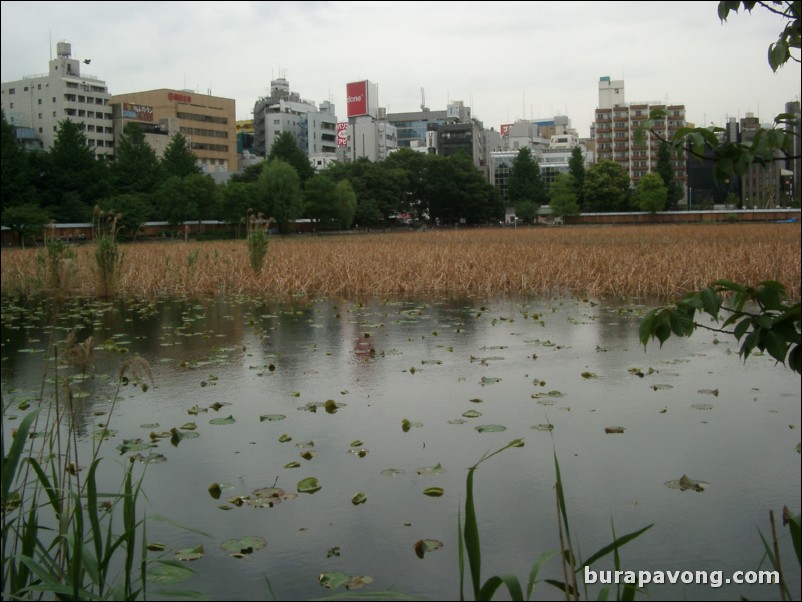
616,126
207,122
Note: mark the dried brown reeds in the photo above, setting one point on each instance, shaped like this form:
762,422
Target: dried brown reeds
604,262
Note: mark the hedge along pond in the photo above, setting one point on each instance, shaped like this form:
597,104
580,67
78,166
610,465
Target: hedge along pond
319,444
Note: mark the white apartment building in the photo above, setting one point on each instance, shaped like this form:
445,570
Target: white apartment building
41,102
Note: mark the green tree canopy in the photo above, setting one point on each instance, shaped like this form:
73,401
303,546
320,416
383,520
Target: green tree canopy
526,183
576,167
279,189
178,159
26,220
651,194
70,179
319,199
136,167
606,187
237,198
563,196
286,148
15,181
191,198
666,171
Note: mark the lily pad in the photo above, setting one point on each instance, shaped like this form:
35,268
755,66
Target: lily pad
701,406
543,427
614,429
475,400
491,428
267,497
189,426
359,498
436,469
166,573
133,445
489,380
308,485
239,548
423,546
406,425
189,554
292,465
284,438
685,483
589,375
713,392
215,490
357,443
359,453
309,454
662,387
305,444
434,491
334,580
271,417
471,414
228,420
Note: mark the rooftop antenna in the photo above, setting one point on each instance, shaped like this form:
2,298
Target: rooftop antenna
422,100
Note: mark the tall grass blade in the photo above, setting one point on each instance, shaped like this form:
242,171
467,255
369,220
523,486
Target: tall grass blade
784,591
532,583
54,495
11,461
613,547
492,584
472,536
793,526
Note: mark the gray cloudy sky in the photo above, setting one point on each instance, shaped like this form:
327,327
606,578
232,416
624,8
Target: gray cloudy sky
508,60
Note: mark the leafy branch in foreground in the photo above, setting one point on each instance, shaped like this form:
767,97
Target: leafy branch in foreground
761,318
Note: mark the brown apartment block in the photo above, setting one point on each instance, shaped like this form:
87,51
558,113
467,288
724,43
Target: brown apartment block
616,138
207,122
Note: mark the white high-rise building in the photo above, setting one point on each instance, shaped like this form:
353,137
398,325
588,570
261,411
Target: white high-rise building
41,102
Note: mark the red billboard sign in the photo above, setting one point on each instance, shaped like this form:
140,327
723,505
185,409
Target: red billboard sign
342,133
357,98
505,129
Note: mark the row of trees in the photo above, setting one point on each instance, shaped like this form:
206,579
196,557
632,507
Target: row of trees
66,183
603,187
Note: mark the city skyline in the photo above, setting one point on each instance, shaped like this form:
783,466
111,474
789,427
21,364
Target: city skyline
505,60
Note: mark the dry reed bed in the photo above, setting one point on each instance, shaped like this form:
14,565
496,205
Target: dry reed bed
602,262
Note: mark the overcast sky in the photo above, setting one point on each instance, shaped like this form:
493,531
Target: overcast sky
507,60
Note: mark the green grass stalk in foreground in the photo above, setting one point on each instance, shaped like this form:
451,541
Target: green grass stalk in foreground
62,537
468,539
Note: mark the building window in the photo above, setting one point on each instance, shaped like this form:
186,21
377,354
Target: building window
39,87
40,115
40,101
12,105
54,100
25,89
54,113
12,90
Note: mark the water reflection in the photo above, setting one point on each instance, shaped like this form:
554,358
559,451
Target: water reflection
519,363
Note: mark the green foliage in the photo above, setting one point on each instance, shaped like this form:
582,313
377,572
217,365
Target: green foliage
576,167
666,171
606,187
526,183
135,209
344,204
319,199
178,159
469,544
760,317
768,144
51,260
136,167
69,178
563,196
526,211
191,198
286,148
27,220
279,191
457,191
15,169
108,256
237,197
651,195
256,240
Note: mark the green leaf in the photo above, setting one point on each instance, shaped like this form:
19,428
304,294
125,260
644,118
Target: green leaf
491,428
423,546
779,54
776,346
434,491
309,485
228,420
242,547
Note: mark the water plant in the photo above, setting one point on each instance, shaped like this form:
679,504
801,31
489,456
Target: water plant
256,240
108,256
469,545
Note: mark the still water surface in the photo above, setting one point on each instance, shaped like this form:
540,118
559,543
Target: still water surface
691,408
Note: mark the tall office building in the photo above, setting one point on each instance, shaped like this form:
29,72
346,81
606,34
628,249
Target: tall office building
40,102
616,126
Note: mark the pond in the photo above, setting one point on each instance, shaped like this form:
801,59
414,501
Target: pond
392,398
